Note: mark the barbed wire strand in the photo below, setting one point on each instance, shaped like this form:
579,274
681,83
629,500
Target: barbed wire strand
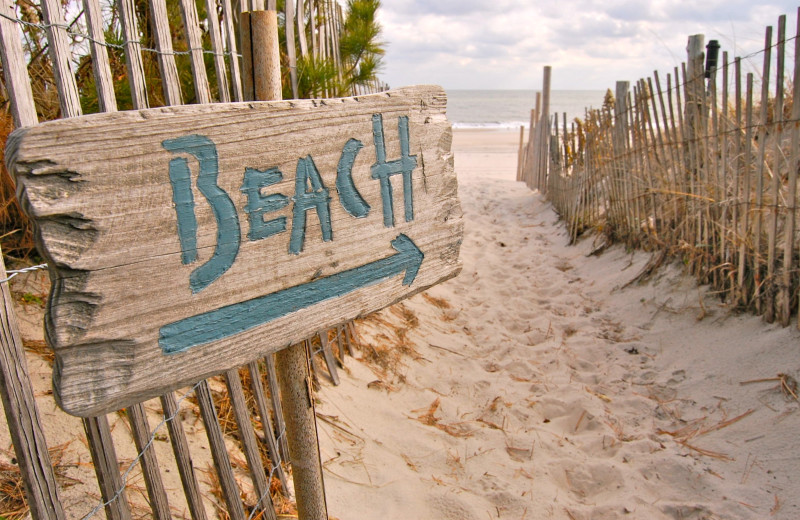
135,461
15,272
120,46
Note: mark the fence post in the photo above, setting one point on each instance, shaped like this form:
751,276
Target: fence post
262,78
544,125
22,416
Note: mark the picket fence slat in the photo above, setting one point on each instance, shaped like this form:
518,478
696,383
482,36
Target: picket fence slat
133,53
58,48
22,415
137,416
15,71
100,65
104,457
183,457
247,438
222,461
266,423
218,47
166,60
191,25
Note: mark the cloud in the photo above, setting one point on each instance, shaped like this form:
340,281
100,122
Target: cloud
590,44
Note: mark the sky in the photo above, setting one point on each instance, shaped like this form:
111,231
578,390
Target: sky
504,44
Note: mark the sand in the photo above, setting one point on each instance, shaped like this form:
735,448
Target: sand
547,390
533,385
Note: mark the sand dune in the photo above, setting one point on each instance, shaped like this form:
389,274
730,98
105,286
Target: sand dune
535,386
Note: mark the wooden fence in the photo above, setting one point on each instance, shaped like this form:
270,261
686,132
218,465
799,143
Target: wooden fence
317,21
697,164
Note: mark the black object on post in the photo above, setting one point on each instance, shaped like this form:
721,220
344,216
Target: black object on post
712,55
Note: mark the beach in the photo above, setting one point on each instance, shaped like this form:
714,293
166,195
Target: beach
543,382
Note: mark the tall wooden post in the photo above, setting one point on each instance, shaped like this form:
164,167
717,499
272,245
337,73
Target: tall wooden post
301,430
262,77
544,120
261,73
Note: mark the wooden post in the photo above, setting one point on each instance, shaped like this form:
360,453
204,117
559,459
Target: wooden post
790,222
291,51
261,73
519,152
775,187
301,430
759,172
218,47
301,28
191,23
544,119
292,362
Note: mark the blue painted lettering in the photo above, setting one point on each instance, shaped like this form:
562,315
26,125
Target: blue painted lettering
258,204
181,179
228,233
351,200
239,317
384,170
306,199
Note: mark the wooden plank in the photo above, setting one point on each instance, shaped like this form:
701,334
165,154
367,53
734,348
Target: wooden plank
152,478
60,53
738,168
104,84
183,457
256,380
291,50
746,190
277,407
133,53
726,195
327,354
22,415
166,60
218,47
247,438
544,116
104,457
191,24
301,28
790,220
519,152
114,351
758,214
15,69
228,18
778,129
227,481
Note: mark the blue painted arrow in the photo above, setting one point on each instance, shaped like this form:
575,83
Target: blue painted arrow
239,317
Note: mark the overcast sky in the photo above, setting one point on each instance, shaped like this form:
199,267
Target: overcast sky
503,44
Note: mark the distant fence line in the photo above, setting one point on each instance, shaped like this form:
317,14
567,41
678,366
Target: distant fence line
697,168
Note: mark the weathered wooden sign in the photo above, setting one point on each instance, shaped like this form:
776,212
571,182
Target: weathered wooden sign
189,240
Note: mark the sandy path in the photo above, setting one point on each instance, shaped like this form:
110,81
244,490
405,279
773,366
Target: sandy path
547,391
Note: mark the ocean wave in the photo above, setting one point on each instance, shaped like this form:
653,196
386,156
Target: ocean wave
496,125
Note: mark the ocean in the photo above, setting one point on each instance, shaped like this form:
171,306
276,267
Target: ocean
509,109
